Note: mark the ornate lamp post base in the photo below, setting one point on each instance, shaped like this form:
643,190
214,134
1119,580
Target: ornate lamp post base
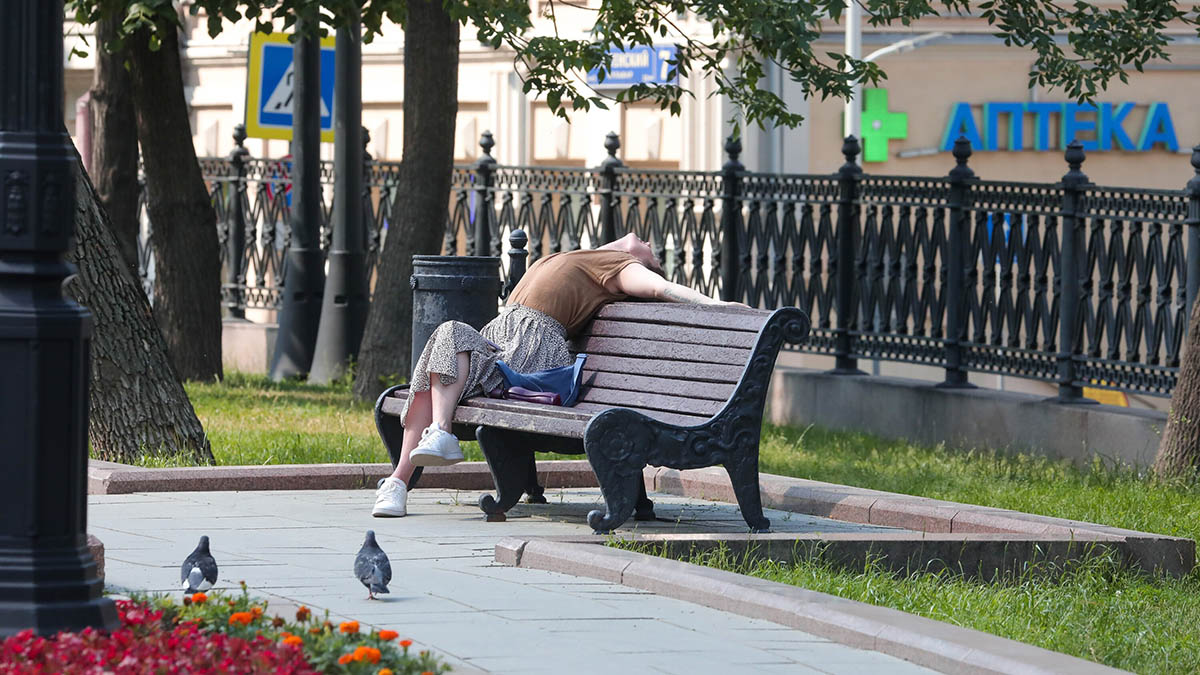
48,581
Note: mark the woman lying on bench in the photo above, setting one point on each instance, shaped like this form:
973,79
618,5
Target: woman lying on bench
553,301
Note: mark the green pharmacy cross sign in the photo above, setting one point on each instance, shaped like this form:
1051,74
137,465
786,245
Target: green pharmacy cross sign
879,125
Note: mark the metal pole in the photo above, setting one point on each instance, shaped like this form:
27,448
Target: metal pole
961,177
344,312
1071,272
849,177
481,243
304,273
608,186
48,580
731,209
852,121
235,244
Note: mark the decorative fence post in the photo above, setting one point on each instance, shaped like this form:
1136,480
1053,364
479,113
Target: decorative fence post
368,209
731,209
1193,233
235,244
608,188
849,179
516,260
961,177
1073,185
481,242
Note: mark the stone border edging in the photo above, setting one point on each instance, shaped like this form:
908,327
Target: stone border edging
933,644
110,478
1172,555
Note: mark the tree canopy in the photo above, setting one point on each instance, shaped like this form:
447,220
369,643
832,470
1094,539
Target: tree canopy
1079,47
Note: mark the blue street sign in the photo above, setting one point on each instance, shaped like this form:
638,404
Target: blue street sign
637,65
269,87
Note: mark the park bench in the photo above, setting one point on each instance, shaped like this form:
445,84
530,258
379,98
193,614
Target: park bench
665,384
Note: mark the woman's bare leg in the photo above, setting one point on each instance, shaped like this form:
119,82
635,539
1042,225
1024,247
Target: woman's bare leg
427,407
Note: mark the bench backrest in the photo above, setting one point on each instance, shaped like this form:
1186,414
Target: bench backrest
681,359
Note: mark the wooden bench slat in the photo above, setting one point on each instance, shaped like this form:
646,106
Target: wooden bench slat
534,421
395,404
703,316
680,353
641,399
677,370
667,333
669,418
717,391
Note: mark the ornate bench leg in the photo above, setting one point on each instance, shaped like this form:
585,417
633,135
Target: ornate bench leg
617,443
510,471
644,509
743,474
537,493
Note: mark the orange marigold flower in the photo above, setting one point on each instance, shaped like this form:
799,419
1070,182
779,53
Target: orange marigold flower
315,630
293,640
199,598
243,618
384,671
256,611
348,627
427,672
303,613
388,635
367,654
344,659
406,643
233,603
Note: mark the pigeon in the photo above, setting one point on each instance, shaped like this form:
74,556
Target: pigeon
372,567
198,571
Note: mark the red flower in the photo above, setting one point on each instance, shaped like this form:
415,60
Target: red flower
388,635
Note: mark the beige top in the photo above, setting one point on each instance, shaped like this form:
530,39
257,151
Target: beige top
570,286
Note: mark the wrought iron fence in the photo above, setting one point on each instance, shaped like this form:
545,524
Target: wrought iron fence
953,272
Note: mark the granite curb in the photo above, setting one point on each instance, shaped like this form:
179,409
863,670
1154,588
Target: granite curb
933,644
1172,555
110,478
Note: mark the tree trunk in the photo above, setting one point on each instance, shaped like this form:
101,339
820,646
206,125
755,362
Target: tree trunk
138,406
417,226
1179,450
114,142
187,266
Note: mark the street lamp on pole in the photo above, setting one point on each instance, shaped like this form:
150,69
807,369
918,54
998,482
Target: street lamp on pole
852,120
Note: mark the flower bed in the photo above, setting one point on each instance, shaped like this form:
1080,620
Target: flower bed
216,634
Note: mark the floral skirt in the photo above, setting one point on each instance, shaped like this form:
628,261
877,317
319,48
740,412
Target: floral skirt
525,339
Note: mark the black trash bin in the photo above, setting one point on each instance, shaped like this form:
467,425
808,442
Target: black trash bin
452,288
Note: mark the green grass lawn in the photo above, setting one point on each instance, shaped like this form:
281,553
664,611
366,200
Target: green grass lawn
1098,611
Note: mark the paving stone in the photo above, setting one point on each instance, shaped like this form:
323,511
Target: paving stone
296,548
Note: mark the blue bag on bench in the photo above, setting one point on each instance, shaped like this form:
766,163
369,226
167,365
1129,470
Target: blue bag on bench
563,383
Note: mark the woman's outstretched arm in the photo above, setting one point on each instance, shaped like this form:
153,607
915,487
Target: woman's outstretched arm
639,282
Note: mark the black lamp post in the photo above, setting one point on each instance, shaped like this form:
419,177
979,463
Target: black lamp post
304,278
344,309
48,580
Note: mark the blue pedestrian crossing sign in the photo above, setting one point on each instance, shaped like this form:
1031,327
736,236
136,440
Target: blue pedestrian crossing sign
269,76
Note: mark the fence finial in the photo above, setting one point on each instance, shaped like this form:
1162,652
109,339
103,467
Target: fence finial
1193,185
733,148
239,151
486,142
612,143
961,152
850,150
366,139
1075,157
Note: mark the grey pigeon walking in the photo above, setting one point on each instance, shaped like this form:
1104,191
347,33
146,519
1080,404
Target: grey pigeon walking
198,571
372,567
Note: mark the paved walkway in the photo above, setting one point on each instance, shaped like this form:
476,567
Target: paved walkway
298,548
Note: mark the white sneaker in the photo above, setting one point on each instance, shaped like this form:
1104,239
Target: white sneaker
391,499
437,448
